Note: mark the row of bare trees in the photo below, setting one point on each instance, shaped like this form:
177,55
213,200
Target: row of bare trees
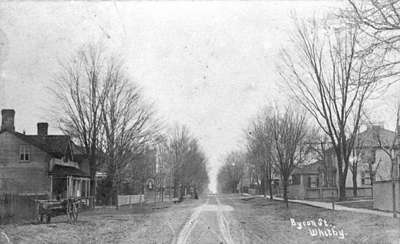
232,172
379,25
99,106
187,163
336,65
277,142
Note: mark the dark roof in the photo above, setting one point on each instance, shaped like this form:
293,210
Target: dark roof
369,137
63,171
55,145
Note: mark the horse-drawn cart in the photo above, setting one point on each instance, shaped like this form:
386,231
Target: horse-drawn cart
46,209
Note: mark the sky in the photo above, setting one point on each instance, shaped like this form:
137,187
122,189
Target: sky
208,65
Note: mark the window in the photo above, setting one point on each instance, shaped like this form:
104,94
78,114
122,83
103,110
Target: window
24,153
313,181
295,180
365,178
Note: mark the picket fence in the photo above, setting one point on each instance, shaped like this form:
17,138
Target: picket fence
130,199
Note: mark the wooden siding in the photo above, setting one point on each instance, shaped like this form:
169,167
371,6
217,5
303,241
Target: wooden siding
22,177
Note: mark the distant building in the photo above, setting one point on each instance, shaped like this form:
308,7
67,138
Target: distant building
313,181
320,180
40,164
375,167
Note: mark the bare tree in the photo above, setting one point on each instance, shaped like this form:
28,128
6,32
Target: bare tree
379,25
378,19
189,164
260,143
355,161
390,147
325,75
80,88
289,132
232,172
128,124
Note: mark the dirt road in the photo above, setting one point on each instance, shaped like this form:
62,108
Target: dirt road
215,219
207,224
228,219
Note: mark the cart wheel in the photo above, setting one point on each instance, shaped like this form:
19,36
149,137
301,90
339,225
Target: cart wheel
69,211
40,218
74,212
48,219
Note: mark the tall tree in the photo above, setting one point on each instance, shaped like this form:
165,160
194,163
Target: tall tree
128,124
188,163
260,143
80,88
379,25
289,132
380,20
232,172
325,75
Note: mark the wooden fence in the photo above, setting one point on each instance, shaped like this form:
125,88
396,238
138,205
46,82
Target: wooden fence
130,199
17,208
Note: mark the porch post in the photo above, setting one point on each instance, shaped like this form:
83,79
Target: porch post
51,187
68,187
87,188
71,188
80,187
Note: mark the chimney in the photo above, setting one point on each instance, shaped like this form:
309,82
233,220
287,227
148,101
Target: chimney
7,120
42,128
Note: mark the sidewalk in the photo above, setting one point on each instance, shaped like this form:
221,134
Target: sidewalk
328,205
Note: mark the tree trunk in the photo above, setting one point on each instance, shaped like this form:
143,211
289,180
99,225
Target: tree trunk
175,188
265,187
116,196
285,196
92,166
393,174
182,193
342,189
343,166
342,186
355,182
270,190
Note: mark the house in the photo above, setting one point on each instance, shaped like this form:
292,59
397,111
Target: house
373,163
376,165
319,180
41,164
313,181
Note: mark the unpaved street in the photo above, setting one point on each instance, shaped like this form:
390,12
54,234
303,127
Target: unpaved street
237,219
214,219
207,224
